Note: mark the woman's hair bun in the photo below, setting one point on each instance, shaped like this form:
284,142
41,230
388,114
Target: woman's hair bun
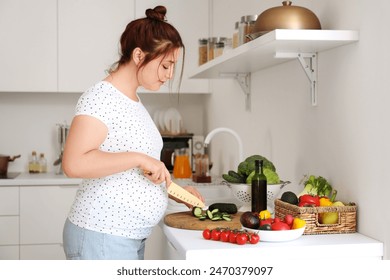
158,13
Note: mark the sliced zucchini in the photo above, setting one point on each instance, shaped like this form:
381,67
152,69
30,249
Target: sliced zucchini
197,211
209,214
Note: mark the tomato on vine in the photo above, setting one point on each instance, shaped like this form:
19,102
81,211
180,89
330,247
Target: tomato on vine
254,238
215,234
242,238
206,234
225,236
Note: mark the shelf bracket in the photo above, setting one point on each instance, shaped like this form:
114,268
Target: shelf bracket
309,64
244,80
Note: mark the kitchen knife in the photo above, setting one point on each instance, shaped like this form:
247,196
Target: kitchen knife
180,193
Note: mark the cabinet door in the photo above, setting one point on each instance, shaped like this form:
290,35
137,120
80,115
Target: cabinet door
9,230
28,48
43,211
42,252
191,19
9,252
9,201
88,38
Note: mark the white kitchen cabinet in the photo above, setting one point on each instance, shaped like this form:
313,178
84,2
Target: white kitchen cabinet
9,201
28,49
191,19
43,211
9,223
9,252
88,40
42,252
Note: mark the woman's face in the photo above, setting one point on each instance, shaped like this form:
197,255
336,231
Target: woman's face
154,74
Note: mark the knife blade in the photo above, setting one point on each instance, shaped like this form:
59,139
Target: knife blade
176,191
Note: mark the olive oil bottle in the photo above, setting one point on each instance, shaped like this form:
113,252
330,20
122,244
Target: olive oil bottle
259,188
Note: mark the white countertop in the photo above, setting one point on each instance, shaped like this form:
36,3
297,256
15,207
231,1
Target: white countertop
190,245
41,179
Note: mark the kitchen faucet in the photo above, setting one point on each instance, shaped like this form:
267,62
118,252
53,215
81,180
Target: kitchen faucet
224,129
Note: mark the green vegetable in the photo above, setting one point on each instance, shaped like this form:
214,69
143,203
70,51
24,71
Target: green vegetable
232,179
229,208
197,212
236,175
246,168
251,163
272,177
316,186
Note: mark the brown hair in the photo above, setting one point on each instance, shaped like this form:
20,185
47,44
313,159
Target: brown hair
153,35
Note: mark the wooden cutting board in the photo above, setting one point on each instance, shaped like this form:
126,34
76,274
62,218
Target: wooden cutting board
185,220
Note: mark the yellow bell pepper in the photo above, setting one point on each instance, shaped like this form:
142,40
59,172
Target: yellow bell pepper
324,201
298,223
265,214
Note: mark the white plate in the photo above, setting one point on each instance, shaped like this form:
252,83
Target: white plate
172,120
278,235
161,123
156,118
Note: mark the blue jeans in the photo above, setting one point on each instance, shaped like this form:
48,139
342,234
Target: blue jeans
84,244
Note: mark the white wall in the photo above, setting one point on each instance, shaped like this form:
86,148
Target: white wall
345,138
28,121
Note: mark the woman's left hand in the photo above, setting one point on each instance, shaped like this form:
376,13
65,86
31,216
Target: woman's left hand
193,191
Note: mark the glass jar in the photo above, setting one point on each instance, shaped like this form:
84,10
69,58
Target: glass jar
202,51
246,27
235,35
218,48
210,48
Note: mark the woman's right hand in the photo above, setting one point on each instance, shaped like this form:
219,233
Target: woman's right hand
156,171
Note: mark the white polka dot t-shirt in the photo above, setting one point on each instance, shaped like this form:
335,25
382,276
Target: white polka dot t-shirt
127,203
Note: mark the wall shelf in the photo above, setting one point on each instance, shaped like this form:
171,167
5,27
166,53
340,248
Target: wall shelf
275,47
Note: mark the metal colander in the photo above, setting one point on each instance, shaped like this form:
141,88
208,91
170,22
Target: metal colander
243,192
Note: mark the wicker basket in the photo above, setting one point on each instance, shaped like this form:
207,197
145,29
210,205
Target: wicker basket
346,222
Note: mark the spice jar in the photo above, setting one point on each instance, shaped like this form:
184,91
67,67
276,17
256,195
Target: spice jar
245,27
218,48
210,48
202,51
235,35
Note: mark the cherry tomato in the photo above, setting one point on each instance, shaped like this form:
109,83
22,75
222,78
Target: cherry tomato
232,237
206,234
254,238
215,234
225,236
241,239
288,219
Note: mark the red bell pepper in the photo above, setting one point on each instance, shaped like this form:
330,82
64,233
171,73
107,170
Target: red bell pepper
309,200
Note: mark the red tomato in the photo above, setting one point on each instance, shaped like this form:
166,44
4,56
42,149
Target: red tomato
232,237
288,219
225,236
215,234
206,234
266,221
254,238
276,220
280,226
241,239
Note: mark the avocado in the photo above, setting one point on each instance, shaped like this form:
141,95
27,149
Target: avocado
289,197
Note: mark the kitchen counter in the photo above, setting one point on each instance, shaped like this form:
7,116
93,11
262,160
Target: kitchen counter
41,179
190,245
